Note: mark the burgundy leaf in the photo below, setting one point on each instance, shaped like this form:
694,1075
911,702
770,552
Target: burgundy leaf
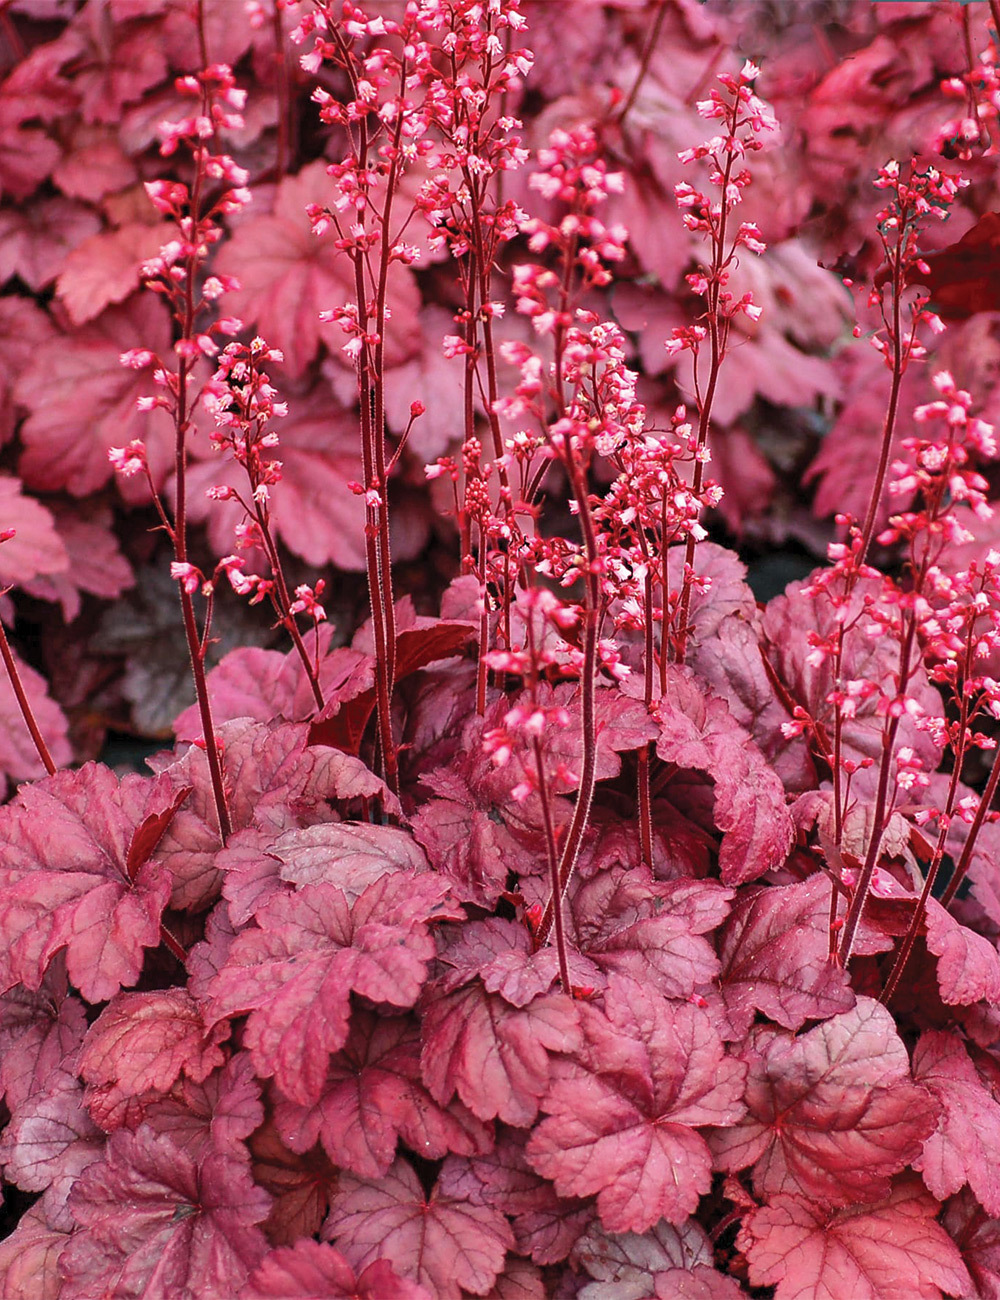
621,1113
36,547
19,760
978,1238
832,1113
962,1149
495,1056
300,1184
105,269
373,1096
96,564
23,329
520,1280
29,1259
155,1223
219,1112
350,855
94,165
207,958
501,954
313,1270
665,1262
289,276
277,780
65,883
443,1244
775,952
249,873
730,662
315,513
38,1033
147,836
50,1139
343,725
545,1225
621,724
843,463
143,1042
968,968
294,975
82,402
267,685
697,731
630,924
35,239
875,1252
471,846
788,621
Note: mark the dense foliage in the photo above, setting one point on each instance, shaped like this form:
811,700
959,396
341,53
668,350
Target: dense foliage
393,400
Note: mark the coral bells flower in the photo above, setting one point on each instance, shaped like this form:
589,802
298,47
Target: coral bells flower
128,460
187,575
307,602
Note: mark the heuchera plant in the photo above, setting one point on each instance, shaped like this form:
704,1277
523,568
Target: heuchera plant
564,922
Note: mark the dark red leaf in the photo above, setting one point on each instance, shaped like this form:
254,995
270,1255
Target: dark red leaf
621,1112
962,1148
832,1113
288,276
495,1056
29,1258
697,731
148,834
38,1033
442,1243
978,1238
219,1112
143,1042
155,1223
294,974
968,967
875,1252
545,1225
50,1139
775,952
65,883
372,1097
630,924
313,1270
300,1184
675,1263
964,278
343,725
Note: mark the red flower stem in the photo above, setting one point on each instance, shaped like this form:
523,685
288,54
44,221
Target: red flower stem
182,422
968,848
22,703
283,606
644,60
882,811
378,560
592,600
173,946
552,856
888,429
642,774
282,95
718,331
906,947
588,701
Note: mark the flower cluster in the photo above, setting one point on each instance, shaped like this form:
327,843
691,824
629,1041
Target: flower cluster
746,119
